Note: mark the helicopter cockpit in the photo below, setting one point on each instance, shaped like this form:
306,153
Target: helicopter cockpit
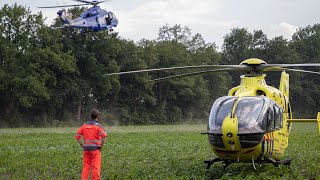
110,17
257,114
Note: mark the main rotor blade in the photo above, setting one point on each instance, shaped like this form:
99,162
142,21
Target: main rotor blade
193,73
219,70
275,67
64,6
84,1
98,2
304,71
91,2
242,67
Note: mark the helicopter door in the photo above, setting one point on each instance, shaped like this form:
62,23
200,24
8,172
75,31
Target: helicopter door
275,114
270,120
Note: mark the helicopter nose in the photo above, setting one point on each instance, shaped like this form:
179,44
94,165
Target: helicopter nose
116,23
229,134
250,140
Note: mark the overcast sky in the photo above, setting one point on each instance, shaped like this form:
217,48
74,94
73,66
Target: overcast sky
213,19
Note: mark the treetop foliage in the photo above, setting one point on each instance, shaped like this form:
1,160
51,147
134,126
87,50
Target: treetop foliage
49,76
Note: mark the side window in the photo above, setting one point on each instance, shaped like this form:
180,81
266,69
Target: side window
270,120
112,15
277,117
94,12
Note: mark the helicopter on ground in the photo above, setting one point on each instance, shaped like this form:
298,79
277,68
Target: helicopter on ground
252,123
93,19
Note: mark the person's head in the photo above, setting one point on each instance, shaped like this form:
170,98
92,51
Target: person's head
95,114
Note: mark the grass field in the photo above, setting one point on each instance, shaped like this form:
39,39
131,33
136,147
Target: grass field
146,152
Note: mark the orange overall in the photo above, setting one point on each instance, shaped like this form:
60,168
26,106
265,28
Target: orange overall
92,132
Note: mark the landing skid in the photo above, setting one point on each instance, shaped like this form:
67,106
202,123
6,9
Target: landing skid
210,162
277,162
226,163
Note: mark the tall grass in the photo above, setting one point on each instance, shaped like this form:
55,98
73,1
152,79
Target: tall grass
145,152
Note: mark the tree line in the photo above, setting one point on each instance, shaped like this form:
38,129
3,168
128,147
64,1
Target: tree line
55,77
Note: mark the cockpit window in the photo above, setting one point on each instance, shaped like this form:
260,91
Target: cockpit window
89,13
112,15
249,111
221,108
277,117
270,119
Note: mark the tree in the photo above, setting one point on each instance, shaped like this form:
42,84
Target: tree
135,97
239,45
187,97
306,42
176,33
216,84
33,63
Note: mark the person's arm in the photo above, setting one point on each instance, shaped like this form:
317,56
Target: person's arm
78,136
103,140
103,135
80,142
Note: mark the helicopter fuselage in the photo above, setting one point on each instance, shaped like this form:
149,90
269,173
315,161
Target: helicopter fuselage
251,122
93,19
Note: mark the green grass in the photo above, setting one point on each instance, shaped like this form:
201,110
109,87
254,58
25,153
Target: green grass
146,152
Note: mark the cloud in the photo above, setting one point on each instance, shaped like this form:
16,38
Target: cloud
153,14
283,29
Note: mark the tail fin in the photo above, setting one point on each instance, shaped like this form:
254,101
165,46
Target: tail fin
284,84
63,16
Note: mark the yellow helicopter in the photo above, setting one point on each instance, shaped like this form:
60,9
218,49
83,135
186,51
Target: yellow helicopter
252,123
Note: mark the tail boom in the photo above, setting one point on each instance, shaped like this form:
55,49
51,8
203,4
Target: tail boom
63,16
307,120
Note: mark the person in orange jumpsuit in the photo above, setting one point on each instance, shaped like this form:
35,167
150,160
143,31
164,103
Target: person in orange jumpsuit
94,137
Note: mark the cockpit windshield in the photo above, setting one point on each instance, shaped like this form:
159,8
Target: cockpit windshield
251,112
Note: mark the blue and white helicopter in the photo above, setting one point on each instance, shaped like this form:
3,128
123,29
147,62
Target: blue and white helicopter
93,19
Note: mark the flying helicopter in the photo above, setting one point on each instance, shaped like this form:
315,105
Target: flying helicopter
253,122
93,19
